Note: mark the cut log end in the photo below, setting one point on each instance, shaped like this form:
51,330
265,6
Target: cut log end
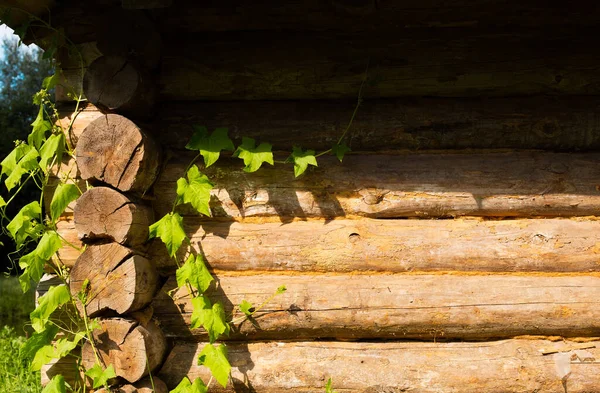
114,150
118,280
146,385
103,213
131,348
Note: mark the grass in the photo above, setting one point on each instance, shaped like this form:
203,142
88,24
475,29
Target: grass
15,307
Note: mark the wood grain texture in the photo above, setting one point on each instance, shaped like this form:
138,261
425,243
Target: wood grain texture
427,185
501,366
114,150
460,62
552,245
118,279
103,214
146,385
398,307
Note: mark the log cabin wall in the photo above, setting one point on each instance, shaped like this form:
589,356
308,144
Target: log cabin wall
454,250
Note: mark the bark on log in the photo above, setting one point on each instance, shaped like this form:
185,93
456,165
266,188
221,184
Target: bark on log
119,280
398,307
551,245
513,184
495,62
131,348
502,366
113,150
156,385
103,213
116,84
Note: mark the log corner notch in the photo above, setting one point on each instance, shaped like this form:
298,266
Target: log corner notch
114,150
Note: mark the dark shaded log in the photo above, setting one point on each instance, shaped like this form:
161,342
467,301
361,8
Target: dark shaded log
118,279
113,150
145,4
131,348
495,62
547,245
146,385
397,307
116,84
67,367
103,213
508,184
495,367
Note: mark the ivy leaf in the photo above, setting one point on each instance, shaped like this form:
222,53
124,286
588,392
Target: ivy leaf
50,82
2,202
210,316
170,230
56,385
215,358
56,350
195,272
302,160
254,156
340,150
10,161
23,225
49,244
33,269
40,127
328,387
51,149
63,195
281,290
99,376
185,386
246,307
24,164
47,304
210,146
196,191
38,340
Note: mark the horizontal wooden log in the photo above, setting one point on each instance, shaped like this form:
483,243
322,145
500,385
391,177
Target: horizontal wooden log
546,245
114,150
67,367
262,65
146,385
118,280
424,307
513,184
133,350
103,214
557,245
512,365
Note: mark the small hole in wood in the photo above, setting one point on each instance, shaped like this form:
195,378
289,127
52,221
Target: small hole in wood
353,237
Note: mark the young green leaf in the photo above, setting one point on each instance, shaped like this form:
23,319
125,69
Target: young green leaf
27,163
23,226
254,156
99,376
210,146
10,161
195,190
63,195
328,387
215,358
40,127
2,202
170,230
33,270
246,307
194,272
302,160
56,385
51,151
38,341
281,290
210,316
50,82
47,304
56,350
49,244
340,150
185,386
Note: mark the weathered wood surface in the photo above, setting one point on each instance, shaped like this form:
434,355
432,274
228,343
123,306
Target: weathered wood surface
546,245
460,62
117,84
424,307
118,279
132,349
501,366
557,245
429,185
541,122
67,367
102,213
114,150
156,385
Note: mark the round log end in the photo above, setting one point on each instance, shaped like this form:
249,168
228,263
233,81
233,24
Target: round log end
102,213
146,385
114,150
131,348
118,279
